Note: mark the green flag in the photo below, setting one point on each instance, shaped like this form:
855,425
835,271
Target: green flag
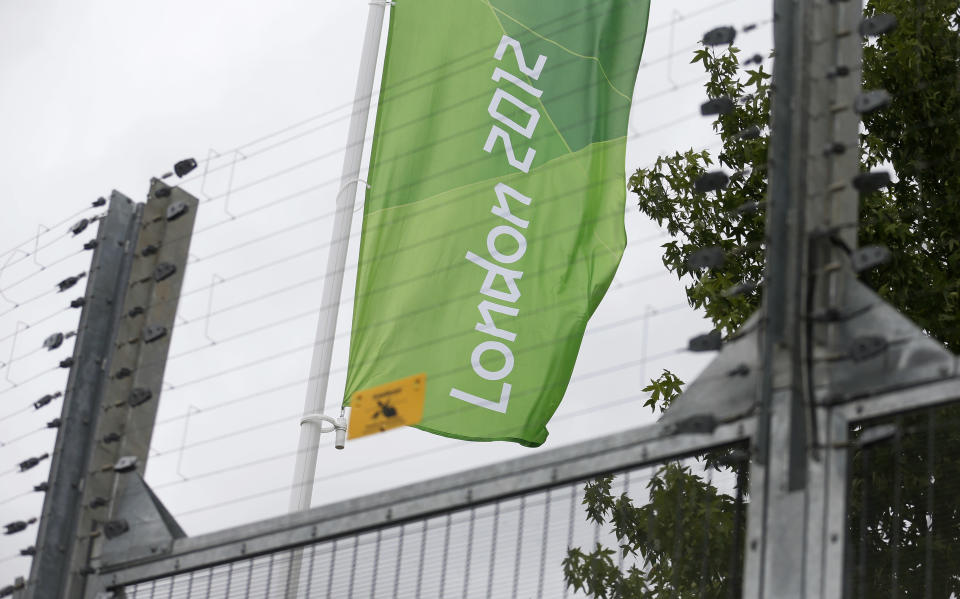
493,223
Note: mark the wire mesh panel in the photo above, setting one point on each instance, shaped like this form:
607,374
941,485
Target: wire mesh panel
904,516
680,522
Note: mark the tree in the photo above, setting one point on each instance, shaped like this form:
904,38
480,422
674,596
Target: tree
897,521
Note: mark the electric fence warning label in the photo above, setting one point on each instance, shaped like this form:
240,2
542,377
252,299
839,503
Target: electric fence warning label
387,406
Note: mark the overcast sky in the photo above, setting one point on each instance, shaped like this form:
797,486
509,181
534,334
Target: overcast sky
105,94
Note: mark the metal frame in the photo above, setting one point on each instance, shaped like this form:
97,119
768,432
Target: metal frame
634,448
903,400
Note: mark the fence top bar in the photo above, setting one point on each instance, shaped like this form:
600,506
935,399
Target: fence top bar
905,399
633,448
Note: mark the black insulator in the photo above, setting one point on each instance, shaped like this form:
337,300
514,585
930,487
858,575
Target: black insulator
184,166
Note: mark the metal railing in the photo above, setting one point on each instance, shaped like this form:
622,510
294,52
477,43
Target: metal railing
904,505
498,531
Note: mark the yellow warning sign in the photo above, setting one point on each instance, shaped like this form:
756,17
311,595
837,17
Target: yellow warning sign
387,406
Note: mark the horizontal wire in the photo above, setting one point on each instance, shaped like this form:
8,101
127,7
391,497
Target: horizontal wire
36,322
375,93
334,181
30,276
393,461
445,414
356,234
297,225
17,413
29,301
288,385
635,102
261,267
25,436
339,150
453,444
589,331
15,497
29,353
466,295
326,215
207,287
287,319
305,346
48,230
30,379
331,182
311,344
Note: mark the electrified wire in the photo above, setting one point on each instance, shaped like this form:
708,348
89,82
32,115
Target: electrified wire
27,301
644,316
30,379
582,377
36,322
48,230
29,353
472,129
287,319
332,213
15,497
331,182
25,436
354,235
393,461
375,94
17,413
334,181
30,276
286,352
289,169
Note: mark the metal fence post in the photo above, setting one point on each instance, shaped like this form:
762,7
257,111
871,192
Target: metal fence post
129,514
111,400
57,535
798,478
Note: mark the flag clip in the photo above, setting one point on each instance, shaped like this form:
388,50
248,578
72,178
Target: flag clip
338,425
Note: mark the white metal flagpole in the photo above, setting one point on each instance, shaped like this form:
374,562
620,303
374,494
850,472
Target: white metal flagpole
310,426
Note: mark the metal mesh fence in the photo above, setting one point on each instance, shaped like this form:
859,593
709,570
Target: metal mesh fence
904,506
510,547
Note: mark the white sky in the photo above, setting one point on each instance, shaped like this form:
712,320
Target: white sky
104,94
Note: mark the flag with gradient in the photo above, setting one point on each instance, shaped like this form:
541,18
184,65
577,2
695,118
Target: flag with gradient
493,224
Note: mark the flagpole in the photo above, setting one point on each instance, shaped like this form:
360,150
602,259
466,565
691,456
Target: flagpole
310,426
